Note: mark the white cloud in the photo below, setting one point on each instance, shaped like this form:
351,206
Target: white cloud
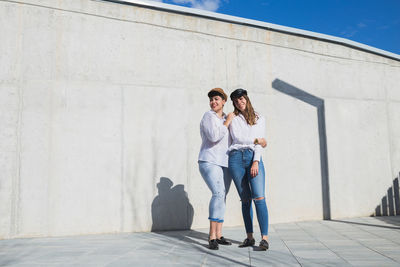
349,32
210,5
361,25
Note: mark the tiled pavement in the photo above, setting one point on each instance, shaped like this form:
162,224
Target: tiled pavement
365,241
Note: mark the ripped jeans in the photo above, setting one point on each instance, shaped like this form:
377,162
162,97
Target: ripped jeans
218,180
249,188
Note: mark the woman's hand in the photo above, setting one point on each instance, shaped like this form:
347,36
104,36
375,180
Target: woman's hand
229,119
254,169
260,141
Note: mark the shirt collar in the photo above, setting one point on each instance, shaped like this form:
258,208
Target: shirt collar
223,114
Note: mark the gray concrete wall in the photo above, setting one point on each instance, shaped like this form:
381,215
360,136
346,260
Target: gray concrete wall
100,106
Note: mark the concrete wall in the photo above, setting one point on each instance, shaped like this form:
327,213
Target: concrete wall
100,106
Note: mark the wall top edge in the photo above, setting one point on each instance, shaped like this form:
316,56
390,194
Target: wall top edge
254,23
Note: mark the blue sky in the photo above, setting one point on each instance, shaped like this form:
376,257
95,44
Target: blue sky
371,22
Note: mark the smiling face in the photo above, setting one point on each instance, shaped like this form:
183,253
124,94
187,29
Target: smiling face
217,103
240,103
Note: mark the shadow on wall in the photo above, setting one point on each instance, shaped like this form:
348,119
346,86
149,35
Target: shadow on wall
317,102
171,209
390,203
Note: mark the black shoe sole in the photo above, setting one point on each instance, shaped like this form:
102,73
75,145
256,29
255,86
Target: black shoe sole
245,246
225,244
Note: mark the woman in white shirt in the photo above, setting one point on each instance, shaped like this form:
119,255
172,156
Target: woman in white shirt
246,166
213,162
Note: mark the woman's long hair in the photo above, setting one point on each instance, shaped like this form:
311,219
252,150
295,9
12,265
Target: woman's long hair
248,113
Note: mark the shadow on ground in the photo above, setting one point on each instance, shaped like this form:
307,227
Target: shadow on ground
171,211
387,220
390,203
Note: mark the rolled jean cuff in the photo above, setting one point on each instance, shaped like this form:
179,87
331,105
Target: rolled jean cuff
215,220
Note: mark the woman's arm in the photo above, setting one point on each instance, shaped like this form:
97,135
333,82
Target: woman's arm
260,141
212,128
256,159
254,169
229,119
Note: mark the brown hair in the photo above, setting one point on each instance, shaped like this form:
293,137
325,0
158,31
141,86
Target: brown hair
248,113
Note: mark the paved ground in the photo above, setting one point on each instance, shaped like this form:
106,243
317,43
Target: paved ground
353,242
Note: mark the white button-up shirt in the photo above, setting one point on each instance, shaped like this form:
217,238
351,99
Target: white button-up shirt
216,140
243,135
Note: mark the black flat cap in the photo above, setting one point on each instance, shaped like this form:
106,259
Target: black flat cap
218,91
238,93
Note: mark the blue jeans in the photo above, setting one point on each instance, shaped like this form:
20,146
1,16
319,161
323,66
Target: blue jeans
218,180
249,188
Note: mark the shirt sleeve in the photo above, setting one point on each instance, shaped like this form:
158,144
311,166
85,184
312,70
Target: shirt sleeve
257,152
260,133
213,128
260,130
